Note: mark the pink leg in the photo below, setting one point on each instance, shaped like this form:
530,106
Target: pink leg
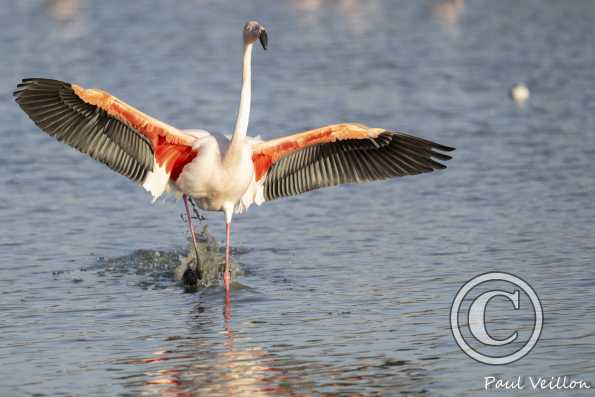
189,216
227,273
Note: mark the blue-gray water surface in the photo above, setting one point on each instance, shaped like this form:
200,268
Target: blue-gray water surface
344,291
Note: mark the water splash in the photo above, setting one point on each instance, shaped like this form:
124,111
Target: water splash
155,269
211,263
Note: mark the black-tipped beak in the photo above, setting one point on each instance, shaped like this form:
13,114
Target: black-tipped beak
264,38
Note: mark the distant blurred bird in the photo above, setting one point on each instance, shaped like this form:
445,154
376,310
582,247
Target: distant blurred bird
520,93
449,11
221,173
63,10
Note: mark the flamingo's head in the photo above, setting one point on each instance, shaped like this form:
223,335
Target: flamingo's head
255,31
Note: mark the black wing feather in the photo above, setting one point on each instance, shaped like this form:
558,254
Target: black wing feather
391,154
57,110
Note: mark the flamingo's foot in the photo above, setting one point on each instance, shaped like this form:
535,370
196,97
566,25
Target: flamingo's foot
190,280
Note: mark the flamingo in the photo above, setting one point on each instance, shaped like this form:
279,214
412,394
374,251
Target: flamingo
221,173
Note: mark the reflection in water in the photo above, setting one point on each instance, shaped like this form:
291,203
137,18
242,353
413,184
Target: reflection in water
204,365
201,367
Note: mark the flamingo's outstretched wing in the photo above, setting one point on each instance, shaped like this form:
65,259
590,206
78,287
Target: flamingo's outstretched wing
144,149
340,153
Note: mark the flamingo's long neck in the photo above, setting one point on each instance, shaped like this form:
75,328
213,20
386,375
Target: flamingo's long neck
241,128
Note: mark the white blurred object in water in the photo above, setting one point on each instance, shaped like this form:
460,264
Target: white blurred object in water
520,93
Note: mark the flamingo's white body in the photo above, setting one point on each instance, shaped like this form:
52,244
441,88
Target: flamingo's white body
220,173
218,179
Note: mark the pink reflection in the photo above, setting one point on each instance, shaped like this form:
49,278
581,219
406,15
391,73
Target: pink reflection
231,372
